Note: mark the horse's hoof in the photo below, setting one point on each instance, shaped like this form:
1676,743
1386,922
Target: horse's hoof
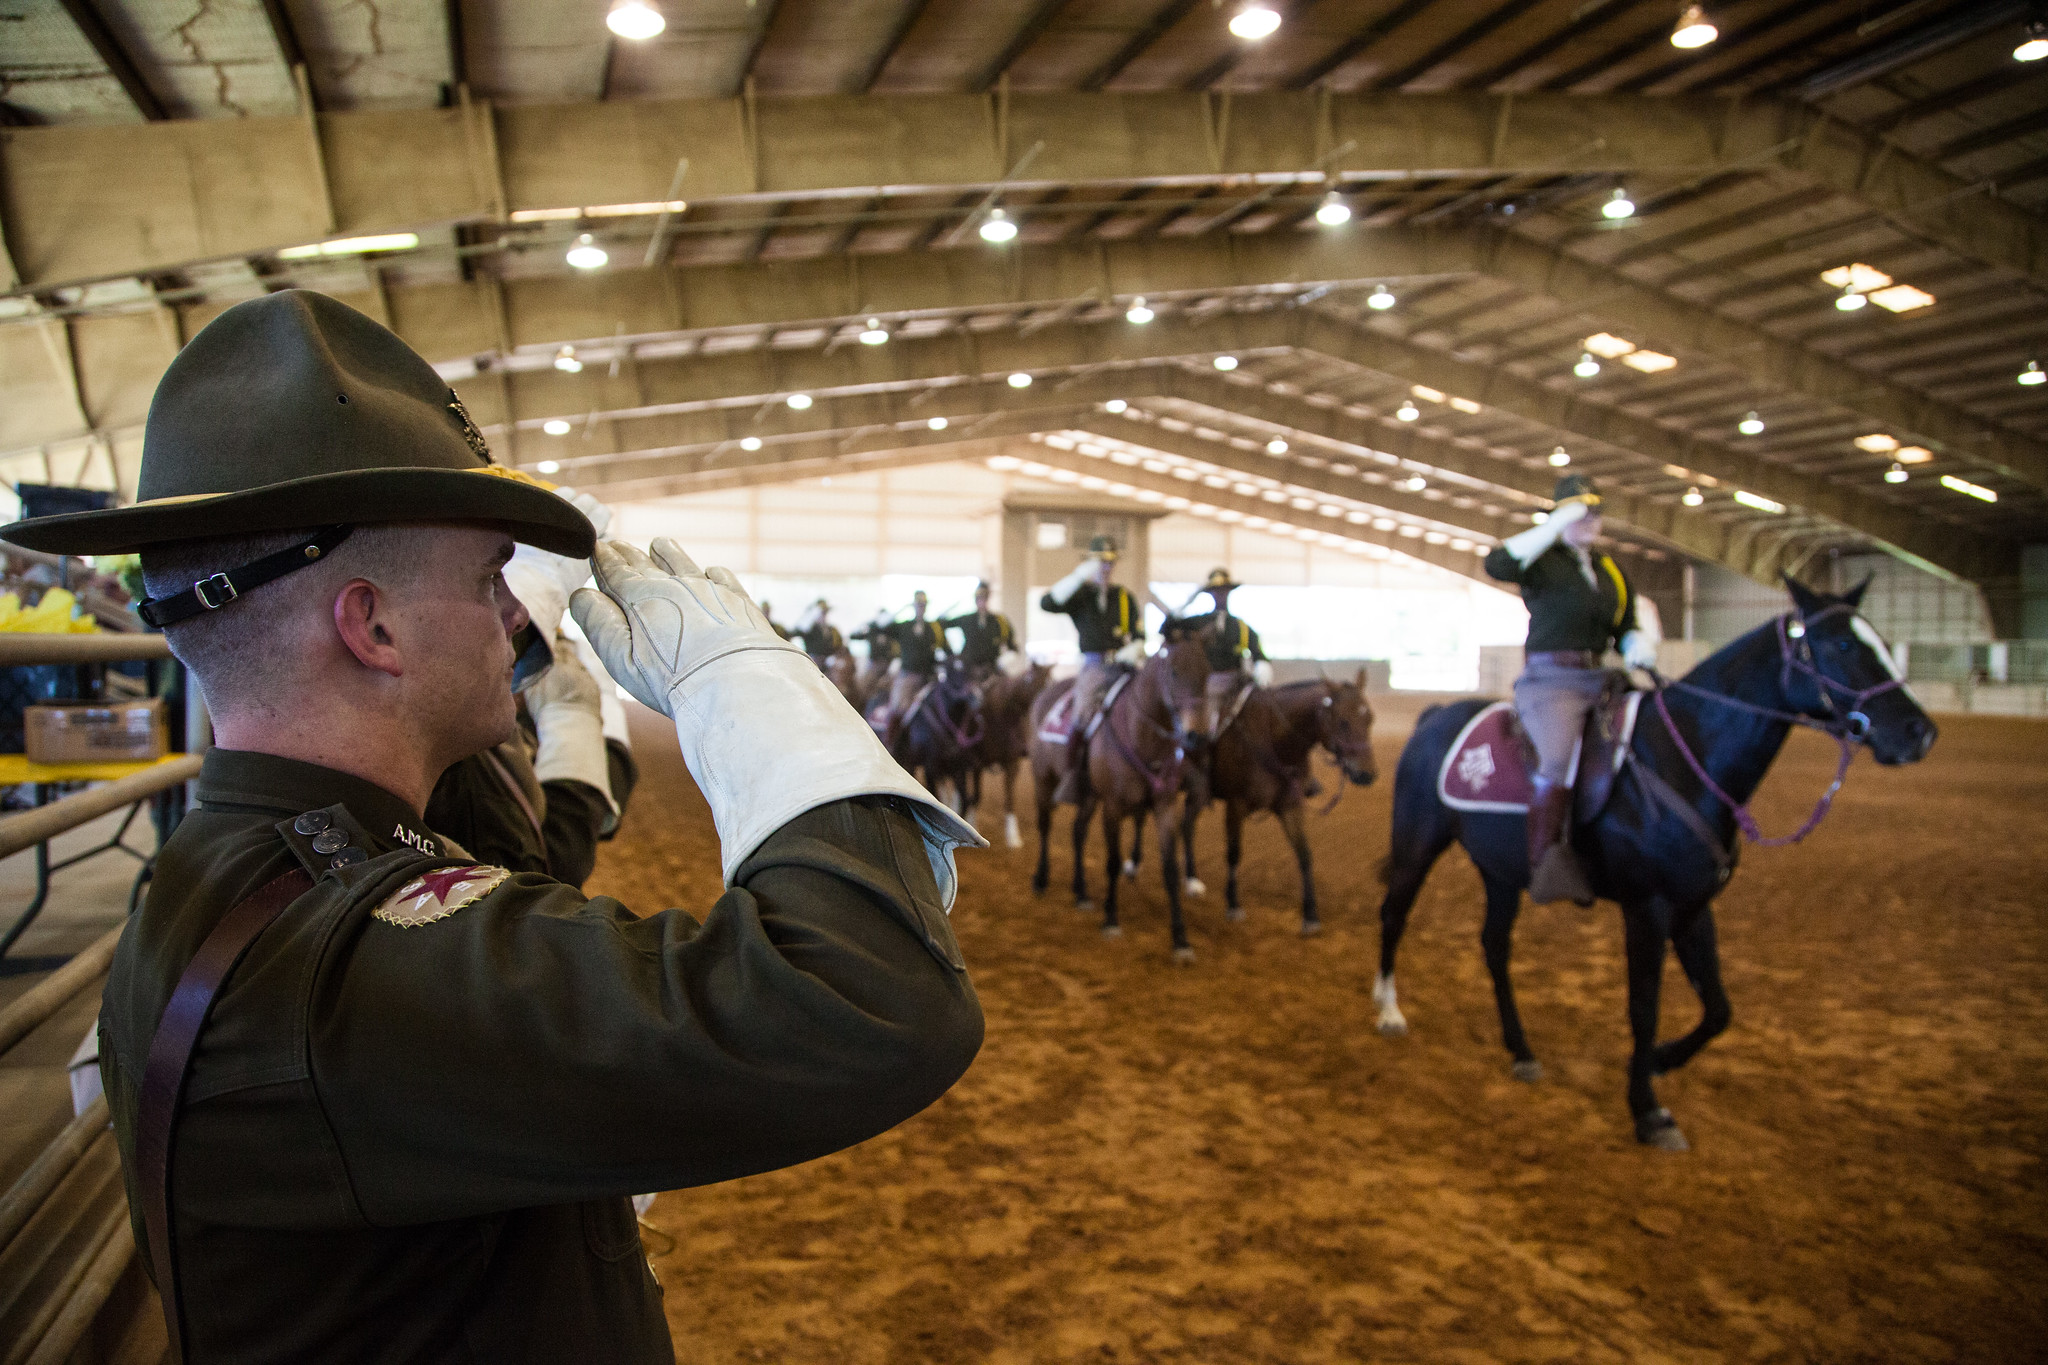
1311,927
1234,913
1396,1027
1130,870
1184,957
1529,1072
1197,887
1084,905
1112,931
1661,1131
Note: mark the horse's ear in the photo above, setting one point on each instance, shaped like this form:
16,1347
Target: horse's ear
1361,677
1806,599
1854,597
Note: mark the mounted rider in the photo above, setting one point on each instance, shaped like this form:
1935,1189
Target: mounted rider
1111,626
768,615
1233,648
1579,603
919,643
985,635
819,637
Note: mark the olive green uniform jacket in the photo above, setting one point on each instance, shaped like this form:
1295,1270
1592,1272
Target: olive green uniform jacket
983,638
414,1143
1566,611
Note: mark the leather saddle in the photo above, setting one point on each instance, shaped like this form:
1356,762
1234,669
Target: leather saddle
1489,767
1058,725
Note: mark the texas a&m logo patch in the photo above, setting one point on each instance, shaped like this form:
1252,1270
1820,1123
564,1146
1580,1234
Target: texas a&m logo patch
437,895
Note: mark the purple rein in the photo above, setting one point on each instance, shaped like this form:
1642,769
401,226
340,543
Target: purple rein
1854,725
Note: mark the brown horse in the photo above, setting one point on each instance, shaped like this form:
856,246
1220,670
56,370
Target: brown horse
839,667
1260,762
1149,734
1006,735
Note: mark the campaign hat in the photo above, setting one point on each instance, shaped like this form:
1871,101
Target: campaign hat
1575,488
1103,548
294,411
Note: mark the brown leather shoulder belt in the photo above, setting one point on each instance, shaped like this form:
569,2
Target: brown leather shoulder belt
170,1058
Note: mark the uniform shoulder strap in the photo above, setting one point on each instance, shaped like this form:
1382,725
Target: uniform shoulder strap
170,1058
1620,590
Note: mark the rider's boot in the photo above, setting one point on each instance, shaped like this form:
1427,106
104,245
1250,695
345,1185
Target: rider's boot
1554,871
1074,781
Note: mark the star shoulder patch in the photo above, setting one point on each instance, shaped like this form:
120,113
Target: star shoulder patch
437,895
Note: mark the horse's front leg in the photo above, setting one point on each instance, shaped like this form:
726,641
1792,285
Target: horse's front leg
1648,931
1112,840
1041,795
1700,955
1011,838
1169,870
1191,807
1137,843
1296,827
1233,850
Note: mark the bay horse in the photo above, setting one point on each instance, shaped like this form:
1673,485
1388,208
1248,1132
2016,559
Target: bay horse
1260,762
938,738
1006,736
1666,842
1151,729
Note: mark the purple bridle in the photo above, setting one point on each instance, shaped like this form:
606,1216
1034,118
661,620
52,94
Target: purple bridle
1848,728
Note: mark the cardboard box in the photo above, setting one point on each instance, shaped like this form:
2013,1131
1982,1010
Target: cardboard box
96,732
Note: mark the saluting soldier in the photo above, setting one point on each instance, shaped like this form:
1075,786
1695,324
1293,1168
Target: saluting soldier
375,1100
821,639
1111,627
919,643
1232,647
1579,602
543,800
767,614
985,635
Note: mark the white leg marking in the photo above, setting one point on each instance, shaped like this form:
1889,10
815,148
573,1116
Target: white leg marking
1392,1022
1197,887
1011,838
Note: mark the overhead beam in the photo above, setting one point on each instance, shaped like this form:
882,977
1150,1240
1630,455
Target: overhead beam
120,64
399,170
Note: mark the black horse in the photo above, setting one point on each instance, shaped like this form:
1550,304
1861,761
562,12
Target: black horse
939,738
1666,842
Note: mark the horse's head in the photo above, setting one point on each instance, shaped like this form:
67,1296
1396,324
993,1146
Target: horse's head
1182,672
1839,671
1344,728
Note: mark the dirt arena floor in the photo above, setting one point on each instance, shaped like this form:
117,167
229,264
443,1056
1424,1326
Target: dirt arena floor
1225,1162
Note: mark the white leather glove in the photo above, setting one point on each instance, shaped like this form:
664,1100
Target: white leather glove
568,710
1262,673
1132,654
543,581
610,709
1527,546
765,734
1639,646
1071,584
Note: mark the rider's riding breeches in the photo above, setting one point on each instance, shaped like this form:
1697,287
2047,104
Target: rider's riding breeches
1553,702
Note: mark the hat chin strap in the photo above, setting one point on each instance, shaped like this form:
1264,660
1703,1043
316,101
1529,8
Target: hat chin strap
211,594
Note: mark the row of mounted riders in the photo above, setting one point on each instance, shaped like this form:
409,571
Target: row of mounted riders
1661,840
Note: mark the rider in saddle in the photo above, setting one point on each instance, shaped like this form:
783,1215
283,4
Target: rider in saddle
819,637
919,643
1112,629
1579,602
1231,645
985,636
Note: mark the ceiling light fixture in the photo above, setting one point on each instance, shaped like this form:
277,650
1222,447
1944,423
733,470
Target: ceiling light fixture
1255,23
1857,276
1559,458
1877,443
1138,313
352,246
1407,412
998,228
1276,446
1225,363
1751,425
566,361
1587,366
550,466
1115,405
1694,29
1608,345
1333,211
937,424
1975,490
750,443
2033,374
1380,300
874,335
798,401
1850,301
1415,484
1649,362
2035,47
1020,380
1693,497
1901,298
555,426
1913,454
1748,499
1618,207
586,254
1896,474
635,19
